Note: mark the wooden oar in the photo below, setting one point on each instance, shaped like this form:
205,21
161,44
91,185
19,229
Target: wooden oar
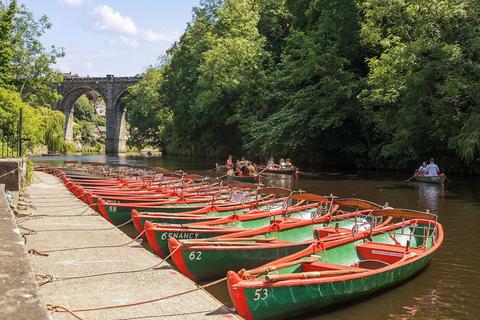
221,241
205,227
404,213
267,269
411,177
312,274
266,167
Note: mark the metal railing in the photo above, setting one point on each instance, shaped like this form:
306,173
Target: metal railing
11,136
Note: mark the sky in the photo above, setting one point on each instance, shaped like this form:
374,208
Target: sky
119,37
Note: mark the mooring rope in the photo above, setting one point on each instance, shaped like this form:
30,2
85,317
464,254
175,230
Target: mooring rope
36,251
52,278
77,229
9,172
23,218
57,308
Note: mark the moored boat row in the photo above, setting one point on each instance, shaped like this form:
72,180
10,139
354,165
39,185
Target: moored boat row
282,252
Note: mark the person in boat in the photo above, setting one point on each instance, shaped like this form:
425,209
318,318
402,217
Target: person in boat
244,169
288,163
422,171
229,162
243,161
238,168
281,163
270,163
432,169
251,169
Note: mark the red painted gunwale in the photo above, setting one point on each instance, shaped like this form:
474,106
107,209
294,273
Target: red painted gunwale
251,206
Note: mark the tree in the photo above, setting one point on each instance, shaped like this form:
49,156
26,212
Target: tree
7,43
147,114
180,82
423,80
83,109
314,107
34,77
40,125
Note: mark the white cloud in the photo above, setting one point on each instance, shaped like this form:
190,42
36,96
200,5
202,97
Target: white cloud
112,21
74,3
155,37
132,43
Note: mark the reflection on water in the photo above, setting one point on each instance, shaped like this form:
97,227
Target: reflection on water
423,305
428,195
447,289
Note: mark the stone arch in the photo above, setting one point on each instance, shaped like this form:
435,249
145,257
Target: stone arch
67,105
112,89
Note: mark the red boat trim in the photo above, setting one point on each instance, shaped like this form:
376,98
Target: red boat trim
177,258
238,296
136,220
150,234
101,209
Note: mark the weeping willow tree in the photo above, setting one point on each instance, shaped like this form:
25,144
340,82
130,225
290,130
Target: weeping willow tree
54,131
41,126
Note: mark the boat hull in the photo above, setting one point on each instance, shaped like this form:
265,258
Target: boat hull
203,264
313,297
250,179
431,180
263,169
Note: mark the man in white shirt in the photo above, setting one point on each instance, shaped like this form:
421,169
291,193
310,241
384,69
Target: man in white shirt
432,169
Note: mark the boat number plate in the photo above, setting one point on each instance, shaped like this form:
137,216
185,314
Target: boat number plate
195,255
260,294
387,253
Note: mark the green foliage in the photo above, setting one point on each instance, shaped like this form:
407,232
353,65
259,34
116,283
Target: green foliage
83,132
31,63
147,114
53,122
86,121
84,109
7,43
40,125
359,82
423,82
313,97
27,80
28,173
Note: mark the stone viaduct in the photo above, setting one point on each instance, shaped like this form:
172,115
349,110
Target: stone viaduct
112,89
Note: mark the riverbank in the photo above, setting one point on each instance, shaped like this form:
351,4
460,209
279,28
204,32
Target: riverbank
110,270
19,298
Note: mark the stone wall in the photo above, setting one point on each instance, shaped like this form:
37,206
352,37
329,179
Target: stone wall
12,172
19,299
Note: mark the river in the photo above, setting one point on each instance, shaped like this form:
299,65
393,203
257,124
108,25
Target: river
449,288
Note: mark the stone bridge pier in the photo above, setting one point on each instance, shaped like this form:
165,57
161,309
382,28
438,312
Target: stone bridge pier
112,89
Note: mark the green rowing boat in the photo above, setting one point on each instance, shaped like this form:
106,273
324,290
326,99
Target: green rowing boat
430,179
329,273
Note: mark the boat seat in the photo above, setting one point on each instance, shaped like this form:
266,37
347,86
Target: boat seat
383,252
324,266
328,231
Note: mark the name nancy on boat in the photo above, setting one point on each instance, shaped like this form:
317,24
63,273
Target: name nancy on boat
179,235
